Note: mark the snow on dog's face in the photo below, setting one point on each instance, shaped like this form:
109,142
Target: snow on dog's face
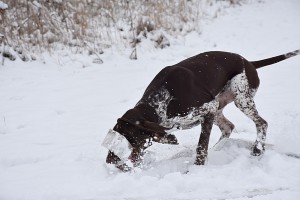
129,138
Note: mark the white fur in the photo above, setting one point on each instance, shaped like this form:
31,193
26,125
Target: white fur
160,102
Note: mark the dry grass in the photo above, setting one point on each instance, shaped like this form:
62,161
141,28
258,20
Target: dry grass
90,25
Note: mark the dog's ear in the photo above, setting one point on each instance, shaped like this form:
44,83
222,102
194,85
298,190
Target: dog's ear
154,126
159,134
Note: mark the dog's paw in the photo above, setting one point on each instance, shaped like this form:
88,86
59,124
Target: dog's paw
257,150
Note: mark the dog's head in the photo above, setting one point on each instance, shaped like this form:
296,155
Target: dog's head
138,134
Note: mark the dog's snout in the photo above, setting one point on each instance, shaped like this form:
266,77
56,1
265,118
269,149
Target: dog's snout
112,158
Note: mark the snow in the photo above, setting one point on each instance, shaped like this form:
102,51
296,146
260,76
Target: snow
55,115
118,144
3,5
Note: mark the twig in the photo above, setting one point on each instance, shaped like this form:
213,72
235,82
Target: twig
99,60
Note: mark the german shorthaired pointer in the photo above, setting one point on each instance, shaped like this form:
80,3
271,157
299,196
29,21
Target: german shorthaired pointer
187,94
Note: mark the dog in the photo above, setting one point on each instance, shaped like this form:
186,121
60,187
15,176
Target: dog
190,93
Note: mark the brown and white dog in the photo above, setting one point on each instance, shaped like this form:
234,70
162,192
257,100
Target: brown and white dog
187,94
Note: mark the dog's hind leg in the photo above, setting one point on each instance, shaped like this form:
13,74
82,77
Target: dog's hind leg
224,98
224,124
244,101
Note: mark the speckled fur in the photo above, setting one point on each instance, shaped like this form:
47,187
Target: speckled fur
237,90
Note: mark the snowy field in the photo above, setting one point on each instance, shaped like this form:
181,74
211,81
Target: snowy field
54,116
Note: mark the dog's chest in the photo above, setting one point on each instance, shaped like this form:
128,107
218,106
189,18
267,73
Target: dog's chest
160,101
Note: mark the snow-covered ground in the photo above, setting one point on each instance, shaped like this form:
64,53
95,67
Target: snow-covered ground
54,116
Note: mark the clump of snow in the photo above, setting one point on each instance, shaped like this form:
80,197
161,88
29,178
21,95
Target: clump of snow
118,144
3,5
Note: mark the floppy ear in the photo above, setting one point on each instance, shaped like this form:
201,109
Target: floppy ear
158,133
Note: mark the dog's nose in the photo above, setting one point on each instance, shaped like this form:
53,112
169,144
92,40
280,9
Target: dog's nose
112,158
115,160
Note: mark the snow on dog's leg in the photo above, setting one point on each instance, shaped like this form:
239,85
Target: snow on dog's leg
245,102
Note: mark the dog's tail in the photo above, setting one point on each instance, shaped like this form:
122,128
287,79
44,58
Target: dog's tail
273,60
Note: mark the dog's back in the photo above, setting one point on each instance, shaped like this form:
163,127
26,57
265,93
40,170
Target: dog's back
199,79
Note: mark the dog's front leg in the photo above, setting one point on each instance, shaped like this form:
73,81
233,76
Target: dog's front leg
206,126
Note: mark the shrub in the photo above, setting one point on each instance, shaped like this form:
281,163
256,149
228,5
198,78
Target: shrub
35,26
